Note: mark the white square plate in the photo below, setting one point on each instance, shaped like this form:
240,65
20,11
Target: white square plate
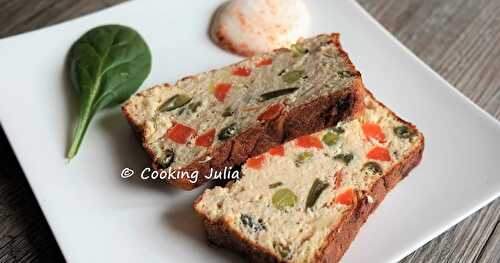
98,217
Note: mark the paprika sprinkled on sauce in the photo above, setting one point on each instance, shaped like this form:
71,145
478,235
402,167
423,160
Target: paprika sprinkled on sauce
250,27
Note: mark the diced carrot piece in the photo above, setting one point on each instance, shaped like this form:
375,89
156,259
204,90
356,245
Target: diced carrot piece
180,133
309,141
256,162
346,198
264,62
241,71
379,153
338,179
277,150
272,112
206,139
373,130
221,90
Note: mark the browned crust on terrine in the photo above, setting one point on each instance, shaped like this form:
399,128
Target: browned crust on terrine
322,112
340,238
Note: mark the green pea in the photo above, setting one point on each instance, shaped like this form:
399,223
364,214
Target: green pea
284,198
301,158
330,138
292,76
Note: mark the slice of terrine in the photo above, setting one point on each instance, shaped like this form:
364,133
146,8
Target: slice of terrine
305,201
220,118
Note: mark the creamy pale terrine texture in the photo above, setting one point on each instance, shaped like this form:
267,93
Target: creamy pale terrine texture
221,118
305,200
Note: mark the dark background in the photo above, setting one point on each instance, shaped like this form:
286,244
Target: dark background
460,39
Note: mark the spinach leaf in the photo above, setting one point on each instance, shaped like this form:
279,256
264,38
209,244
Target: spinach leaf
106,66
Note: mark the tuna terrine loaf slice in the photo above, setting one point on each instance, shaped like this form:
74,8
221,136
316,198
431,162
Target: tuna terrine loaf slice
220,118
305,201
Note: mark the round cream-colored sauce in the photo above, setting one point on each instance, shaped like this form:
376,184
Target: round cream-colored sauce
249,27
